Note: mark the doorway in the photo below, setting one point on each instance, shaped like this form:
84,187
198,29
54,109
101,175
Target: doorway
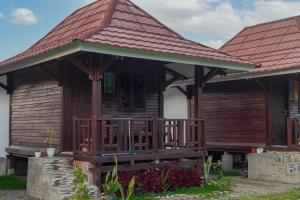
278,90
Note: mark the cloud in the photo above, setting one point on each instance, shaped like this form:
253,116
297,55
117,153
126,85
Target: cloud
213,21
214,43
23,16
1,15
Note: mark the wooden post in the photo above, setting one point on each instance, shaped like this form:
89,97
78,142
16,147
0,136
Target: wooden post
162,88
154,134
289,131
96,106
199,77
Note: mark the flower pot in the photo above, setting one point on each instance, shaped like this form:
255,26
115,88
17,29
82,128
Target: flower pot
50,152
84,149
37,154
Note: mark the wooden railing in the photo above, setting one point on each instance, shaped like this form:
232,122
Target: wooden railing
293,136
148,135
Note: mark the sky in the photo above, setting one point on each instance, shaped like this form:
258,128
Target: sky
210,22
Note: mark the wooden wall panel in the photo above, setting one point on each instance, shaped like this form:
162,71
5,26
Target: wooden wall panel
150,71
235,114
81,91
36,105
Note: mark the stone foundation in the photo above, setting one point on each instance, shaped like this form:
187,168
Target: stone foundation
51,179
275,166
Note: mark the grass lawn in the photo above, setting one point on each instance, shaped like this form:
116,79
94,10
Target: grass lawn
231,173
12,182
291,195
188,191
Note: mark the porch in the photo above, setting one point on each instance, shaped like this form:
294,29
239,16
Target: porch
112,110
136,140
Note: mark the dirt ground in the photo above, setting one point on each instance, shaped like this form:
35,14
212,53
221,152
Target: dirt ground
246,187
13,195
241,187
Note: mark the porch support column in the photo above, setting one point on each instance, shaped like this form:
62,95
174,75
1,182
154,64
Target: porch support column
199,78
96,78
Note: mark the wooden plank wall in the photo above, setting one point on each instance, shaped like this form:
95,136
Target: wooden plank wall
235,115
36,106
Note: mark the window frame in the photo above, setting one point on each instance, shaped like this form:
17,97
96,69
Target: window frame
132,106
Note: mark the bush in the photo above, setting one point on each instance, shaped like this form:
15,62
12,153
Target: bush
12,182
183,178
220,182
155,180
79,186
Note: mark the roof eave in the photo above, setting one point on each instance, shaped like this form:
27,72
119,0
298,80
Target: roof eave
256,75
41,58
78,45
167,57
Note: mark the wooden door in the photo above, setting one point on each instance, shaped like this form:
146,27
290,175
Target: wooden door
278,110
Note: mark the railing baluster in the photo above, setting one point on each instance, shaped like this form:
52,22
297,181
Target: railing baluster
144,135
154,134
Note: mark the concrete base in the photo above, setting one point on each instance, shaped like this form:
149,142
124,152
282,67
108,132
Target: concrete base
3,166
227,162
275,166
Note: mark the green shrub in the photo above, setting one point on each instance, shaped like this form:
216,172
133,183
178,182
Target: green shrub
165,180
12,182
79,186
207,167
112,184
220,182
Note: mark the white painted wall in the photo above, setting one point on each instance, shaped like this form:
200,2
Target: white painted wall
4,119
175,104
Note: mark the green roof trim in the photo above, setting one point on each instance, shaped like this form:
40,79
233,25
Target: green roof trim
44,57
175,58
253,75
77,46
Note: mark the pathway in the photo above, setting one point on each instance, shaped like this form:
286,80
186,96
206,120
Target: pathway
246,187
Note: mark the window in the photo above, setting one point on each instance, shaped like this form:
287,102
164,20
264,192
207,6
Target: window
131,91
109,83
294,90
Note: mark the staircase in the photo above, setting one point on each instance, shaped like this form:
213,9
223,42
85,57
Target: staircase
51,179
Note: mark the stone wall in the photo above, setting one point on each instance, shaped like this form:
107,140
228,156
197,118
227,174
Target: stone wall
51,179
275,166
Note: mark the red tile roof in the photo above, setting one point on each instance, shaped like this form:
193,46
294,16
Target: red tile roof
275,45
120,23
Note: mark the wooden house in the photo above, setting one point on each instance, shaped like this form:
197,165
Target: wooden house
259,108
97,79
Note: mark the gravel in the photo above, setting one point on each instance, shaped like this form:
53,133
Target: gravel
14,195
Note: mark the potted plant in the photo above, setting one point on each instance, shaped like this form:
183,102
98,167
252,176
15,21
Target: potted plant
51,134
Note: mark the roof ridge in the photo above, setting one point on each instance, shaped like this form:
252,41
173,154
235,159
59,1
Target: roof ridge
274,36
165,26
274,21
297,17
298,21
106,20
65,19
